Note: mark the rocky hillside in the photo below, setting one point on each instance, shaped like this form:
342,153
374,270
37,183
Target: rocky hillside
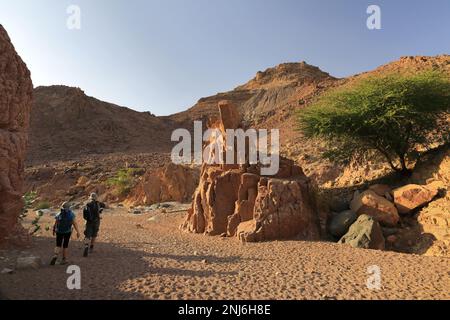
272,98
66,123
276,90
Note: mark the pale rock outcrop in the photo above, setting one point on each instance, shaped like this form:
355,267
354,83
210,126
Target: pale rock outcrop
412,196
171,182
236,200
15,105
369,203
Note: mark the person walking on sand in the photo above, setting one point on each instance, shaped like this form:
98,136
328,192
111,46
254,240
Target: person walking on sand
62,228
91,213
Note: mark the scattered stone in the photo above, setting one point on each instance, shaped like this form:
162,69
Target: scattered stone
364,233
412,196
40,213
7,271
204,261
371,204
137,212
341,222
30,262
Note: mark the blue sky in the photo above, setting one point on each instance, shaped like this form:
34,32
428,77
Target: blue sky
163,55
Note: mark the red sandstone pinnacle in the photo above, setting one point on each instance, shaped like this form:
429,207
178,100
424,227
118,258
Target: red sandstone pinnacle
15,105
238,201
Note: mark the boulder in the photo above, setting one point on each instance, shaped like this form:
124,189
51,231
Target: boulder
245,231
381,189
7,271
412,196
15,106
341,222
30,262
364,233
369,203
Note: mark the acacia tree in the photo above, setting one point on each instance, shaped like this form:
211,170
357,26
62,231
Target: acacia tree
390,115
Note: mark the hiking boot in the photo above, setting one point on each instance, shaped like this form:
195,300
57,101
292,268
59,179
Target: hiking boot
86,251
91,249
63,261
53,261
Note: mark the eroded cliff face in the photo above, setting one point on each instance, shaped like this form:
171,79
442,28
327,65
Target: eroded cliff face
16,91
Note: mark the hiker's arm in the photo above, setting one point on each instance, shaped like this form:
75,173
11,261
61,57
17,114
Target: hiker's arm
54,227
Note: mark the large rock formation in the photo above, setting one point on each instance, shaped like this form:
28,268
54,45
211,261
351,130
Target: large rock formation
236,200
15,105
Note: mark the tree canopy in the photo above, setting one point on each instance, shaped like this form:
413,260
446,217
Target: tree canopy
391,115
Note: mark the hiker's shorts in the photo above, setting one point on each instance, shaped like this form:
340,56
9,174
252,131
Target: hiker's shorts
62,239
91,229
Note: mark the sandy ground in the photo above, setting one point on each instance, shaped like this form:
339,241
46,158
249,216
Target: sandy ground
138,258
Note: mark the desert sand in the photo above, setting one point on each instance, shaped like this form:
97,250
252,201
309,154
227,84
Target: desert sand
147,257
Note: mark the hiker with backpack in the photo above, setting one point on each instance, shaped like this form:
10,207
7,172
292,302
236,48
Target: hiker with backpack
64,221
91,213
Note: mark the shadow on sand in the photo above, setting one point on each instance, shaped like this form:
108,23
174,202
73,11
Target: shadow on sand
103,273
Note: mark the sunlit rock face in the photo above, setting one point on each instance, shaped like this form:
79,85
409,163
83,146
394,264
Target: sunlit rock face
15,105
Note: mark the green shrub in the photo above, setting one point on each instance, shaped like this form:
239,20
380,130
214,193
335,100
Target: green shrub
388,115
43,205
29,198
124,180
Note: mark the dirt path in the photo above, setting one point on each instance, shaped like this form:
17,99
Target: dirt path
140,259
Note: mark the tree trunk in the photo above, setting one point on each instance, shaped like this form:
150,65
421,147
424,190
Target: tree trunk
404,170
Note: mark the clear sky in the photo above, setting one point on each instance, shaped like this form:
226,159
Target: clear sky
163,55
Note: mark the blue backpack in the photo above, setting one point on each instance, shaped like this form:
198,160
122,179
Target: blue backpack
64,221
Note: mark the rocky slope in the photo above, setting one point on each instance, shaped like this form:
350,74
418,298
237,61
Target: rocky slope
15,105
66,123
